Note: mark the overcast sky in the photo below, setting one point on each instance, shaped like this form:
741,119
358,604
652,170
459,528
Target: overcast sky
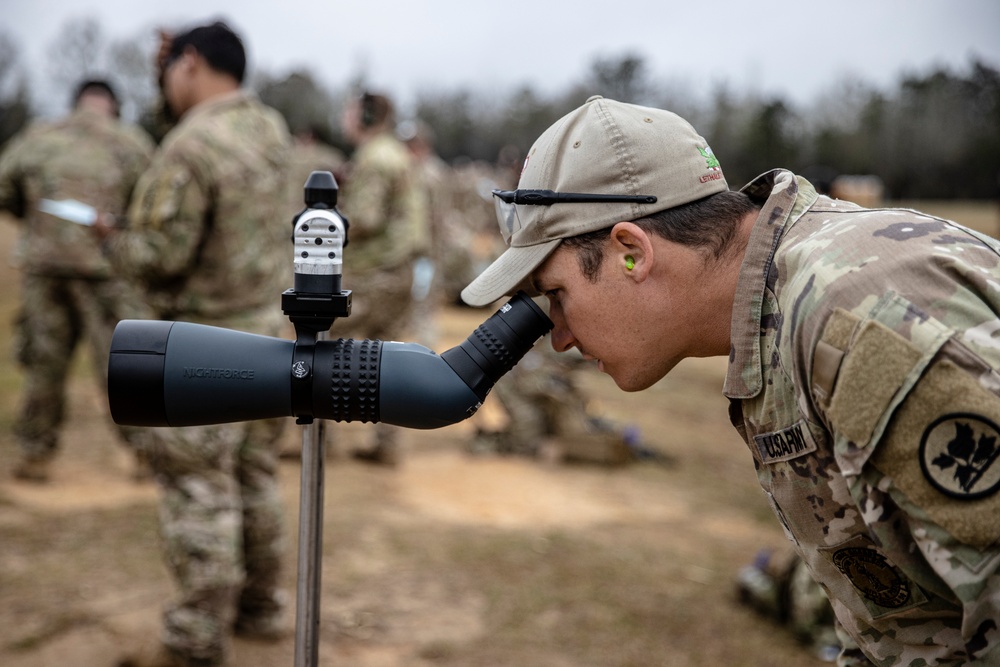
403,46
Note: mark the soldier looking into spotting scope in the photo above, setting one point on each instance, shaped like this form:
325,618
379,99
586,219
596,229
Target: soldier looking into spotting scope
863,346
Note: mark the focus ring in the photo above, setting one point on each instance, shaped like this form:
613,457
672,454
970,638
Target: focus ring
353,389
497,349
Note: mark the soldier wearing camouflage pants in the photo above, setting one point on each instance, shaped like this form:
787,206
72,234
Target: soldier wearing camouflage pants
69,292
863,347
387,209
208,239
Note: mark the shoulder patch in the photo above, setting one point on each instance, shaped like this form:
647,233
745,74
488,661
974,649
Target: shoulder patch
159,195
787,443
872,575
883,588
941,450
958,455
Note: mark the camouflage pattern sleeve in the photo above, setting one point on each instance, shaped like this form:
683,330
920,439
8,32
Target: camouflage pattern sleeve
137,160
865,379
165,221
208,227
12,196
914,410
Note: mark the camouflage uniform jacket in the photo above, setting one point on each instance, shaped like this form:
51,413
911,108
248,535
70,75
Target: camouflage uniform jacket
208,228
386,206
864,378
86,156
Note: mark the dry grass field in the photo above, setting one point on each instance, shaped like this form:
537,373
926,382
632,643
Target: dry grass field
447,560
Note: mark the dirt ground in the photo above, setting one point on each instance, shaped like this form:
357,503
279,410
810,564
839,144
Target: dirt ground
449,559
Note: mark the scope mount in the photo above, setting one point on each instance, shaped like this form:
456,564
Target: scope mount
319,235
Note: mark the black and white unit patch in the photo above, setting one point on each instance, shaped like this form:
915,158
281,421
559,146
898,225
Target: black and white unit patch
959,455
788,443
873,576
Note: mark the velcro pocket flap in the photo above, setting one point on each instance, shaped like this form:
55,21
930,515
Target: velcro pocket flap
878,369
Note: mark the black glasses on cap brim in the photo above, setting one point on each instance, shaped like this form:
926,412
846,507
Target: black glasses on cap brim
507,201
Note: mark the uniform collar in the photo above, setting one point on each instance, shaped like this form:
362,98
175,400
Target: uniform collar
90,116
783,198
232,97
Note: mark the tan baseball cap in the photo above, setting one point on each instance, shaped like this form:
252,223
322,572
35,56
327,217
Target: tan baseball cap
607,148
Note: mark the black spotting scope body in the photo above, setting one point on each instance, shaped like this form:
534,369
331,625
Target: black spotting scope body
181,374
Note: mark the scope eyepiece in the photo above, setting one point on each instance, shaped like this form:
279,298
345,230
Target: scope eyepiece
498,343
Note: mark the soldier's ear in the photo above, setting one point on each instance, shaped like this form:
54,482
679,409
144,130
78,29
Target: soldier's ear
190,59
631,249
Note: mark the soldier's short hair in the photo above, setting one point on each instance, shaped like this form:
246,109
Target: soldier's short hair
94,86
708,224
221,48
376,109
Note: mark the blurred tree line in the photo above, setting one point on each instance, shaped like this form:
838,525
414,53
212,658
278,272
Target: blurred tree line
934,135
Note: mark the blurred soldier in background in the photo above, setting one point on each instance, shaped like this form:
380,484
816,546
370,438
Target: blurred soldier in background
779,586
208,238
437,180
309,154
387,209
88,161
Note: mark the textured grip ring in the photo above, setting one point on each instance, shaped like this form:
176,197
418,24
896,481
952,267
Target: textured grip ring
352,394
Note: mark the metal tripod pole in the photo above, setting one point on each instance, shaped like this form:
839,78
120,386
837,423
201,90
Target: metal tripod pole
319,234
310,560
